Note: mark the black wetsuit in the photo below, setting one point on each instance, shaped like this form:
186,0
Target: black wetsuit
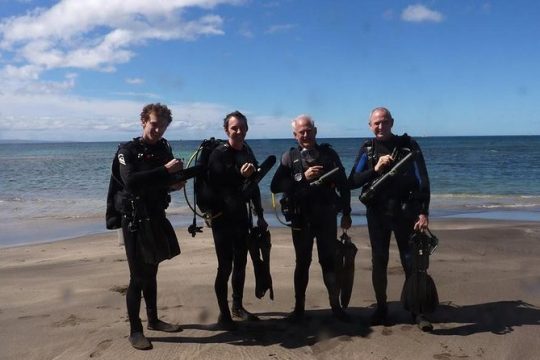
231,220
147,242
314,212
395,207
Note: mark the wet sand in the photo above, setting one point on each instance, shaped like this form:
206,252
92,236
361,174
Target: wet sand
65,300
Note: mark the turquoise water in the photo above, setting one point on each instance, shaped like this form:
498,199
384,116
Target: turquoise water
50,191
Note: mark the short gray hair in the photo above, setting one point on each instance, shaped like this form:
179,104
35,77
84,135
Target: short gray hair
302,117
383,109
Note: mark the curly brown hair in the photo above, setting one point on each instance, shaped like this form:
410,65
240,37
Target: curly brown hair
161,111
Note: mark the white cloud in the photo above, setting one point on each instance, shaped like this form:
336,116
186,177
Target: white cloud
99,35
25,80
247,33
135,81
280,28
54,116
22,73
420,13
138,95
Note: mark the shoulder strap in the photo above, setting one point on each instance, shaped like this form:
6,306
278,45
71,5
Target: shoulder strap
296,164
325,146
135,147
370,151
404,140
224,146
251,154
167,145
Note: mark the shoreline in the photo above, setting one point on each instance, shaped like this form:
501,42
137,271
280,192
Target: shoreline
65,298
43,230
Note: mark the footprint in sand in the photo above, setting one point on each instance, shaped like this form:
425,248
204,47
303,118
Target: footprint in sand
386,331
443,356
447,356
71,320
24,317
119,289
100,348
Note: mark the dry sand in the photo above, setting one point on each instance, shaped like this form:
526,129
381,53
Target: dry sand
65,300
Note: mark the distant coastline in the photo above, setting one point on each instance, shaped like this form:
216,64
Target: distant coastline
321,139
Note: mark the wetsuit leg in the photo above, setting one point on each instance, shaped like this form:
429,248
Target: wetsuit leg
303,247
380,229
150,294
223,241
325,231
403,229
240,251
142,279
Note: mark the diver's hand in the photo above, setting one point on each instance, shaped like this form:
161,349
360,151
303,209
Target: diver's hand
346,222
247,170
422,223
383,163
173,166
313,172
262,224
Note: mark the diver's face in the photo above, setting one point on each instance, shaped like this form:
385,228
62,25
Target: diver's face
154,128
305,133
236,130
381,125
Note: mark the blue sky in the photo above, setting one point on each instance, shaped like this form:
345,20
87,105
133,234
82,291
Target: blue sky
82,70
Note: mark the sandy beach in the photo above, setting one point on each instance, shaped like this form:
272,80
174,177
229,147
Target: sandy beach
65,300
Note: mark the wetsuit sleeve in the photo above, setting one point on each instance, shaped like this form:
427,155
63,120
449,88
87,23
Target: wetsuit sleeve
361,173
282,182
137,179
423,194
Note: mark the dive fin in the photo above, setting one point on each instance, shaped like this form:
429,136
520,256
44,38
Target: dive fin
259,246
345,255
419,294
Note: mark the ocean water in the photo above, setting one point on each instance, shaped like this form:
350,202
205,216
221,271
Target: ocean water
51,191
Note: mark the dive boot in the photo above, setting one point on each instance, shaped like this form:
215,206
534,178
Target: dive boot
423,323
163,326
225,322
297,315
139,341
380,316
241,313
340,314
